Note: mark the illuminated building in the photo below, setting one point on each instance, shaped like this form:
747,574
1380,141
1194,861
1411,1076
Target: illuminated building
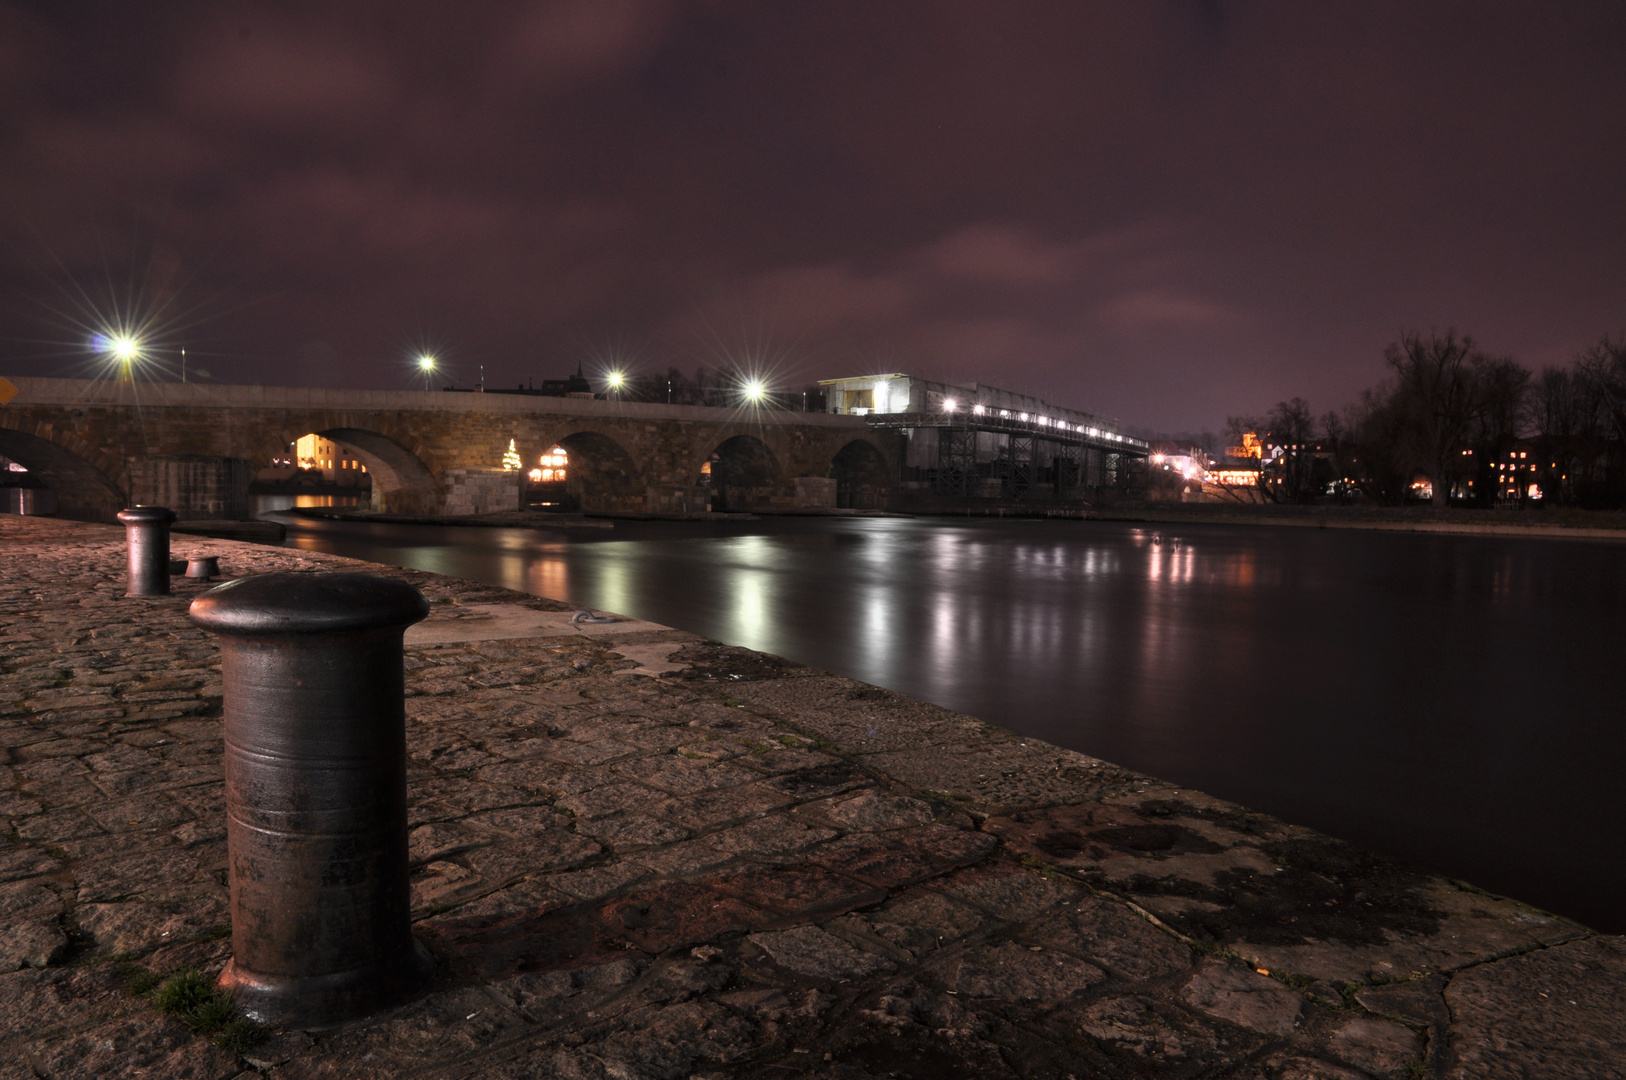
335,461
551,467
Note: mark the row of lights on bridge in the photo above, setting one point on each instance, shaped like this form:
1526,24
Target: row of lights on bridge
754,391
950,405
126,349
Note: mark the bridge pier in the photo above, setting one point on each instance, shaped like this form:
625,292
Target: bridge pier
197,487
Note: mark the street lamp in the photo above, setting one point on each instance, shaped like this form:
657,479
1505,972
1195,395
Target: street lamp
755,391
123,349
615,380
426,364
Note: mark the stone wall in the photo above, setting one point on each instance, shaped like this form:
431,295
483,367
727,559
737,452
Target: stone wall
815,491
197,487
82,439
480,491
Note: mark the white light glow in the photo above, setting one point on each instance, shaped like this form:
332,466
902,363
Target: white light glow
949,405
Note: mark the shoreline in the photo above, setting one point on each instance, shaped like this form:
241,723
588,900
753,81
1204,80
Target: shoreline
1449,522
638,852
1378,521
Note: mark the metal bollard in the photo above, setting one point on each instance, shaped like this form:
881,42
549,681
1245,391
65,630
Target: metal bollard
316,825
203,567
146,535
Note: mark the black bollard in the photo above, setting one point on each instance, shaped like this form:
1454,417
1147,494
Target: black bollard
316,825
203,567
146,535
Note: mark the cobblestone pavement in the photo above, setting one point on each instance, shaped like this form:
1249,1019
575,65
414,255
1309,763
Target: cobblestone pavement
641,854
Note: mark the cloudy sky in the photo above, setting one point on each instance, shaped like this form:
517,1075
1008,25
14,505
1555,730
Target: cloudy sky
1163,210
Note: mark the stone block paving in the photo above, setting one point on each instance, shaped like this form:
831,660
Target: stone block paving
645,855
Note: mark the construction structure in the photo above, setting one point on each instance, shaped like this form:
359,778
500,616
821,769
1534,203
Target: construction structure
975,440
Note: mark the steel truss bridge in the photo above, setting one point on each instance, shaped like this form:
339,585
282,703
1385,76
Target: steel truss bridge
1031,443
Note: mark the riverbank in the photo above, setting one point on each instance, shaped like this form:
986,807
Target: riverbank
1560,524
638,853
1553,524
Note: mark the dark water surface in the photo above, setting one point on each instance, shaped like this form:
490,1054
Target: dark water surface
1456,702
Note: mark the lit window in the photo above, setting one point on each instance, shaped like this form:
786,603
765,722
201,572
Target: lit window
553,465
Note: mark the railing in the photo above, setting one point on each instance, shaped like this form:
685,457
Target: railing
1055,430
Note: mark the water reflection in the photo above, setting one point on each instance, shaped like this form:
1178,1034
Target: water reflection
261,505
1452,700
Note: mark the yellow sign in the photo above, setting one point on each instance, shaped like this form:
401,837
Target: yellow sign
8,390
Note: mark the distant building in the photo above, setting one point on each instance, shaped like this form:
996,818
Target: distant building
314,459
576,386
1516,474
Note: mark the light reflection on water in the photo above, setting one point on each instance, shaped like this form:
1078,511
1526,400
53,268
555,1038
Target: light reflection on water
1449,700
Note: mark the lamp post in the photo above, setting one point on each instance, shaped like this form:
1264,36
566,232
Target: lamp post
426,364
615,380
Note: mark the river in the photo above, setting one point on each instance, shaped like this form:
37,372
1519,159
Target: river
1455,702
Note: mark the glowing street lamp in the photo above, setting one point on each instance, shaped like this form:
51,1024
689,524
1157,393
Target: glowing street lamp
755,391
615,380
122,349
426,364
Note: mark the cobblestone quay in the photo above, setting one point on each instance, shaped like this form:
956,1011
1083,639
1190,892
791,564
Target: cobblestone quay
640,854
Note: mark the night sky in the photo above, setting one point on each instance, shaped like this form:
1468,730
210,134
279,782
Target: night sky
1166,212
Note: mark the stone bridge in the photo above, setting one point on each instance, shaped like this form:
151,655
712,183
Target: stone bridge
102,445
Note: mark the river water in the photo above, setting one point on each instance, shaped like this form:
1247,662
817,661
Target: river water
1455,702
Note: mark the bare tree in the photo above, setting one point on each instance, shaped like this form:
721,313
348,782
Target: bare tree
1566,409
1501,390
1436,386
1291,428
1605,365
1379,450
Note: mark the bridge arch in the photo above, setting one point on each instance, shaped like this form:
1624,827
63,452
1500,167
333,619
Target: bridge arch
402,483
863,477
743,473
83,491
603,473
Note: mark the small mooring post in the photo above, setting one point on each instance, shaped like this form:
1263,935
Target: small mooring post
316,825
146,535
